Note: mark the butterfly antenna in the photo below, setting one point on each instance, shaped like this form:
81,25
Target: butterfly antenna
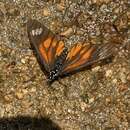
49,83
62,83
65,88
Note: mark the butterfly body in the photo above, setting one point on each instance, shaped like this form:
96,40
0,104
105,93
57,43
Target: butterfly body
58,66
55,58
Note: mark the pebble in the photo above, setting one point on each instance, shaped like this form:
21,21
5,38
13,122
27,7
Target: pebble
60,7
123,77
123,87
2,8
8,98
114,81
2,112
67,32
46,12
96,69
69,111
99,2
23,60
128,77
108,73
33,89
24,91
83,106
108,100
91,100
26,104
19,95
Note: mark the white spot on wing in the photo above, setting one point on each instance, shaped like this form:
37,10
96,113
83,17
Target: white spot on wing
33,32
37,31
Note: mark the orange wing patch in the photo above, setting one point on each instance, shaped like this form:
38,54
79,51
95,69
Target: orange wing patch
50,55
47,42
77,49
87,54
50,49
43,53
54,42
60,48
45,49
74,65
84,54
74,51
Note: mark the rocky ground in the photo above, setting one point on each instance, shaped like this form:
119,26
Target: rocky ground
94,99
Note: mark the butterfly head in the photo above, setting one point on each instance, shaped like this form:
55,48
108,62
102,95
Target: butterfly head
53,75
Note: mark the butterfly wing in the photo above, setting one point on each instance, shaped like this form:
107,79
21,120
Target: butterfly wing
46,45
81,56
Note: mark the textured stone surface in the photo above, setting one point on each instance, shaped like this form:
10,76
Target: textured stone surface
89,100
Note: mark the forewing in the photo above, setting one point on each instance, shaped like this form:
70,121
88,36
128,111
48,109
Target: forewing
81,56
46,45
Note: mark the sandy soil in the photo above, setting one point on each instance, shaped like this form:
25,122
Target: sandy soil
94,99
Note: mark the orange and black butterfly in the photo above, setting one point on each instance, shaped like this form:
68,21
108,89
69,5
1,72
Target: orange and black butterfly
54,57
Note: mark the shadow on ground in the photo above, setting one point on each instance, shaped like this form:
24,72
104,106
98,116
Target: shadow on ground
27,123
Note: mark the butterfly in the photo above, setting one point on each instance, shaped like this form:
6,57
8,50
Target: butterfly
55,58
